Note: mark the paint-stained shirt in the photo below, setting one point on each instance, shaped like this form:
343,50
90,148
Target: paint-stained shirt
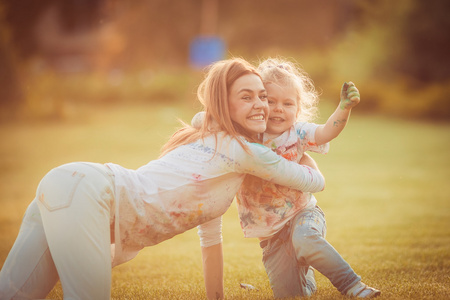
265,206
191,185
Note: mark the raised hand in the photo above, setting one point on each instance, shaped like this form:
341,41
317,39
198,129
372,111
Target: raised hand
349,96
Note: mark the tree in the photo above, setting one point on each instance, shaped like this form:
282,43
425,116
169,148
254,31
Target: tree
426,32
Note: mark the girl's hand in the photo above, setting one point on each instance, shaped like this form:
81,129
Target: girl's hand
307,160
349,96
197,120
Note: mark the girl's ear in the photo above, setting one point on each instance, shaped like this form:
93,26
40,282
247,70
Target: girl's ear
299,109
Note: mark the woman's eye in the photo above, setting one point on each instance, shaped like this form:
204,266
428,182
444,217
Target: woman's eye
263,97
247,98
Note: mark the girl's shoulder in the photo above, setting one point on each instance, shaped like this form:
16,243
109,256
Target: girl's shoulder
305,128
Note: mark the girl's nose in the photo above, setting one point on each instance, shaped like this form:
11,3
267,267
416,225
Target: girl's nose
278,108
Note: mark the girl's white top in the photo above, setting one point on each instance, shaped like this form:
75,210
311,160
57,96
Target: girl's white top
191,185
265,207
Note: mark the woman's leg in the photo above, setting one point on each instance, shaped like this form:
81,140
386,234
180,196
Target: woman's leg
29,271
311,248
75,203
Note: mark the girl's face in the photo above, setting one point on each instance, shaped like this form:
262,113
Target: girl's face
247,102
283,108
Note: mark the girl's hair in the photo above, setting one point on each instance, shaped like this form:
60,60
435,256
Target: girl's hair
285,73
213,94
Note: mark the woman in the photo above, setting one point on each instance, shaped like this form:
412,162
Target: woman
81,209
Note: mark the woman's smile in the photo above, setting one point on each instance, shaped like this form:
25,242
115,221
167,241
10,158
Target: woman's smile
247,102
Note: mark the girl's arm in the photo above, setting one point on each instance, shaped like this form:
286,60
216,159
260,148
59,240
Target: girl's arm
213,271
308,161
332,128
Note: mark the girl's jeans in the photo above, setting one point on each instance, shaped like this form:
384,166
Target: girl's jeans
300,245
65,234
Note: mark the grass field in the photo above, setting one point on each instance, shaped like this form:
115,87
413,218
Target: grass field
387,202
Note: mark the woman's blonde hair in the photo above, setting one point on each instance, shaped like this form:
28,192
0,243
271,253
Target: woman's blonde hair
213,94
285,73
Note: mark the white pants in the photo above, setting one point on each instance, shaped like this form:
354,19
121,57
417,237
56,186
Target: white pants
65,234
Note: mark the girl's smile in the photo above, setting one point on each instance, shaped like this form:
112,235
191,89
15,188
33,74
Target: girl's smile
283,108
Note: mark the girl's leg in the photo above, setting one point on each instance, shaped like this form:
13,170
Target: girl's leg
311,248
311,285
29,271
75,202
282,268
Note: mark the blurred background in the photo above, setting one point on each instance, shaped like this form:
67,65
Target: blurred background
106,80
58,55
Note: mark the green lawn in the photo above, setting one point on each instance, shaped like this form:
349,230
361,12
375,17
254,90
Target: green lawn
387,202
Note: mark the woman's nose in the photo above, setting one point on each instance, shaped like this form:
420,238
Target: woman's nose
259,103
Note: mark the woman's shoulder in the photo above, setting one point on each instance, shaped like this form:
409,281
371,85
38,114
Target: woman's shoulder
220,142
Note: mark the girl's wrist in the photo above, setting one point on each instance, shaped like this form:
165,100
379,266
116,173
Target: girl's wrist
344,106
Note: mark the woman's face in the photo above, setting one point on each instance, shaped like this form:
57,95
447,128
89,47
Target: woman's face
247,102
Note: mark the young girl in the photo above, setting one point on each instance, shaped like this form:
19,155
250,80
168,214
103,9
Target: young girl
81,208
288,222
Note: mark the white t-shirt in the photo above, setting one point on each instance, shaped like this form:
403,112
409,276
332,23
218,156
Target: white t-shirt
265,207
191,185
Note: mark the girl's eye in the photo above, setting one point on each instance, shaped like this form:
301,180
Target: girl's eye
271,101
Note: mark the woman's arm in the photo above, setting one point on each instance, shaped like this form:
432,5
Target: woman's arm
335,124
213,271
210,234
308,161
266,164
